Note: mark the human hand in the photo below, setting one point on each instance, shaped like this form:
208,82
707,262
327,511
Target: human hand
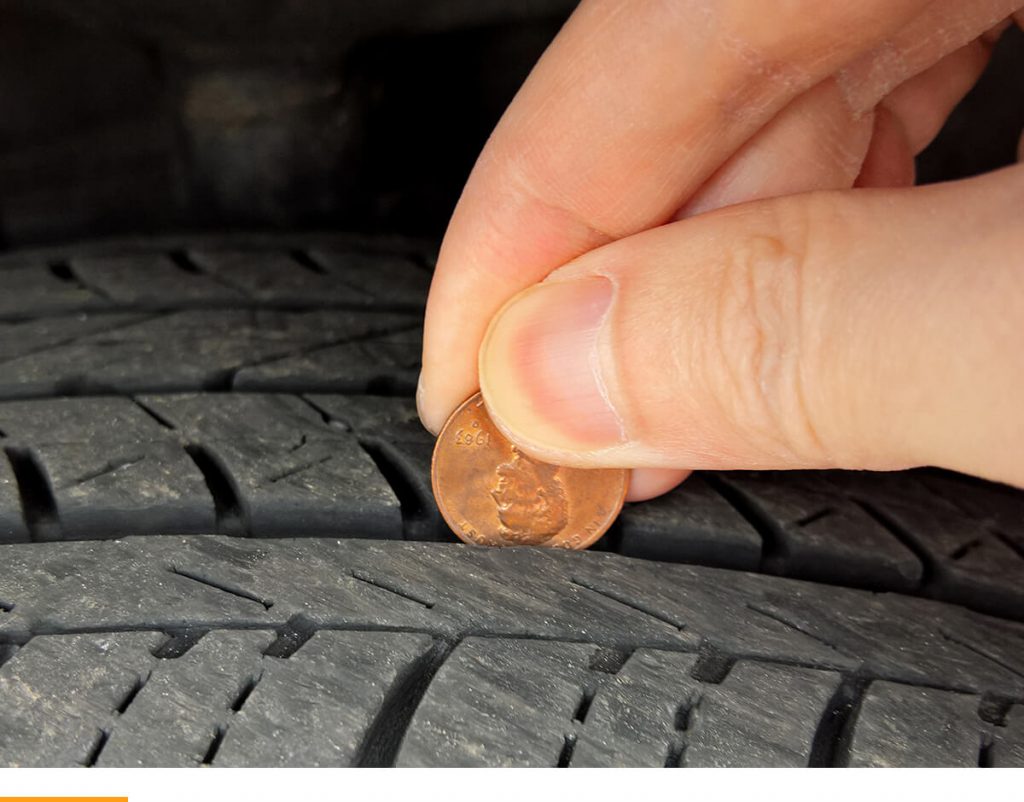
868,329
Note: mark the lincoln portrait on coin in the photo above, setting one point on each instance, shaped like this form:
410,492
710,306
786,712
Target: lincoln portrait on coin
532,504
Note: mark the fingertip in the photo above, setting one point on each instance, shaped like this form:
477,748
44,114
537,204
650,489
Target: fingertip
431,416
648,483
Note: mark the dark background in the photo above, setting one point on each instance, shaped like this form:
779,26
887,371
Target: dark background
129,117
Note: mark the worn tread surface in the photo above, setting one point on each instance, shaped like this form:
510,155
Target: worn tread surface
260,389
241,385
189,650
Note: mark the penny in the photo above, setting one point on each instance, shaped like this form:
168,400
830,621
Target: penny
493,494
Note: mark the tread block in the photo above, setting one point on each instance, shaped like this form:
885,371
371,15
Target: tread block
511,592
441,587
691,524
637,715
719,615
38,290
391,279
58,694
822,534
330,485
30,336
163,283
317,707
498,703
176,712
970,562
760,715
383,417
190,350
277,279
277,419
112,470
286,465
905,726
386,364
546,673
1001,507
79,420
105,490
889,635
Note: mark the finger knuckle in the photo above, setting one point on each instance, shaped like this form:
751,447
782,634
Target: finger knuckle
760,349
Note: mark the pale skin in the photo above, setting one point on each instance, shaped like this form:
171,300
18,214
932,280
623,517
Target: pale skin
693,242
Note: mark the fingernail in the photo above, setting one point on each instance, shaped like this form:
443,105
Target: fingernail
420,394
540,367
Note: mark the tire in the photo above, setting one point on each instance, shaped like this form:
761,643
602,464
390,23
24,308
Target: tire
213,460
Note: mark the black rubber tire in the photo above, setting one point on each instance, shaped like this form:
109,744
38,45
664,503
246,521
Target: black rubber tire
260,388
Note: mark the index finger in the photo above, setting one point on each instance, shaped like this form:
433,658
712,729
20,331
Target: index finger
630,110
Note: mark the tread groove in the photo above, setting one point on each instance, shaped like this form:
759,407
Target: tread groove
38,505
985,745
125,703
68,269
224,588
227,503
7,652
674,754
814,517
110,467
583,707
409,501
377,583
1008,541
304,260
184,261
684,714
712,666
306,350
609,660
178,643
833,735
325,416
964,549
383,739
291,637
981,653
626,602
568,747
789,624
907,538
993,709
62,272
773,546
243,695
152,413
96,749
214,747
298,469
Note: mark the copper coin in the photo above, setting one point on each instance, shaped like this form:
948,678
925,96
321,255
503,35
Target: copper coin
492,494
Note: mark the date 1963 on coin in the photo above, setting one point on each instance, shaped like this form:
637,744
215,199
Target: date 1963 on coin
493,494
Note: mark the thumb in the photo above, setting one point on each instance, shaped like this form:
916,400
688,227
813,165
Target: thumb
870,329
